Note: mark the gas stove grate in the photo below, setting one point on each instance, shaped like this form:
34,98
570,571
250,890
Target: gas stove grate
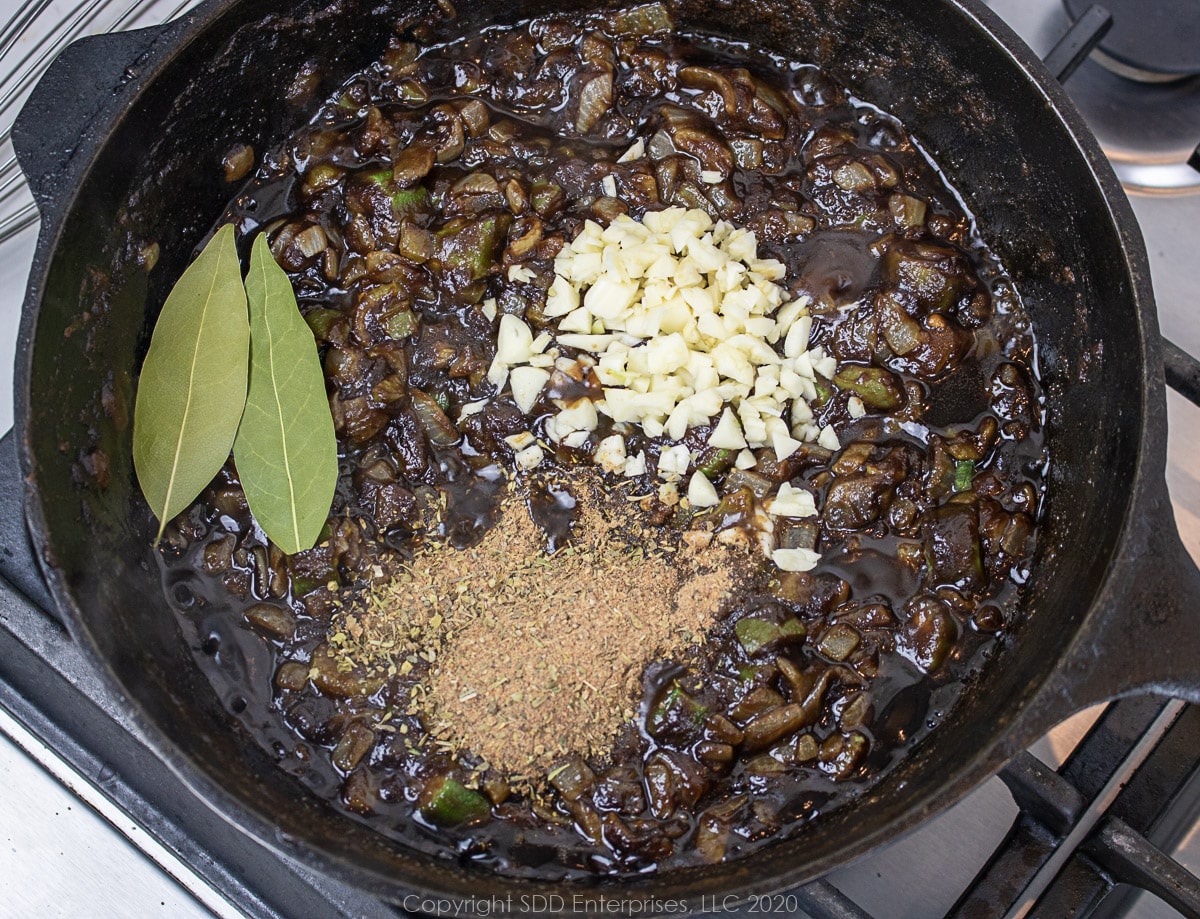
1138,766
1085,836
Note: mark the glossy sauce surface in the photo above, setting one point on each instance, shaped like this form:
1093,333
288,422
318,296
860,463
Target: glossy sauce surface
398,214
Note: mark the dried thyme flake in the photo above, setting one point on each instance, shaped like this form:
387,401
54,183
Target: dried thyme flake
476,628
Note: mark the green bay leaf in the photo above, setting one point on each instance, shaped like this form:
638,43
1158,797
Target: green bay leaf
193,381
286,450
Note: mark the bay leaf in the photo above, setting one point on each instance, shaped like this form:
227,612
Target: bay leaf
286,449
193,381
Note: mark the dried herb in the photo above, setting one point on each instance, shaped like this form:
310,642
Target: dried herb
286,449
522,657
193,382
214,381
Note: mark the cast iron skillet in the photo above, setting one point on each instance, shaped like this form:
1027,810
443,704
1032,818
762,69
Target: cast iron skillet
122,143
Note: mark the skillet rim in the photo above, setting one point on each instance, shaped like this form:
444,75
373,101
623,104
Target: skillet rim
968,775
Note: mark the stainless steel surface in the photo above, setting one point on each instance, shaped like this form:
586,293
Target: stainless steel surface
65,850
60,857
1148,130
71,852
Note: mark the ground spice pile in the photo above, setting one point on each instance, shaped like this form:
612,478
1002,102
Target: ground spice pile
528,656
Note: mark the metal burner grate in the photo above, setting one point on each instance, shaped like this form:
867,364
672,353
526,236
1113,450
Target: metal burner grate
1084,830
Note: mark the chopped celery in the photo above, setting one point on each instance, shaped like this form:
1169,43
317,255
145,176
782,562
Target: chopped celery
413,92
469,246
401,324
449,803
677,707
791,628
824,391
839,642
877,388
410,200
405,201
964,471
302,587
715,461
321,320
756,634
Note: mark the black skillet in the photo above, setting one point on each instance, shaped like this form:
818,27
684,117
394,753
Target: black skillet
122,142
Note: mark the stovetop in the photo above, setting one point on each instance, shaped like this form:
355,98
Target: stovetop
93,824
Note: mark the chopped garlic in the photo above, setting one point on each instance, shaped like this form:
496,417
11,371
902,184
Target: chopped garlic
789,313
522,274
472,408
795,559
784,444
520,441
826,365
514,341
527,384
701,492
576,439
610,454
682,315
674,461
562,298
828,438
796,342
609,184
683,325
636,465
855,406
578,320
586,341
792,502
727,435
529,458
801,413
498,374
635,152
580,416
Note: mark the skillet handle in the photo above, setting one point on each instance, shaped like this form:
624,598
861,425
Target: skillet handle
18,565
84,83
1146,636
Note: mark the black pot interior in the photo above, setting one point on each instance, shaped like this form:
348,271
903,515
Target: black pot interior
158,179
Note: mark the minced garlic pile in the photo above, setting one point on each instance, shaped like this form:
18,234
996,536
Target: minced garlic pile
682,324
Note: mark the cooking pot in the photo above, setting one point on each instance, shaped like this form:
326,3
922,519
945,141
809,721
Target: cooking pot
122,143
